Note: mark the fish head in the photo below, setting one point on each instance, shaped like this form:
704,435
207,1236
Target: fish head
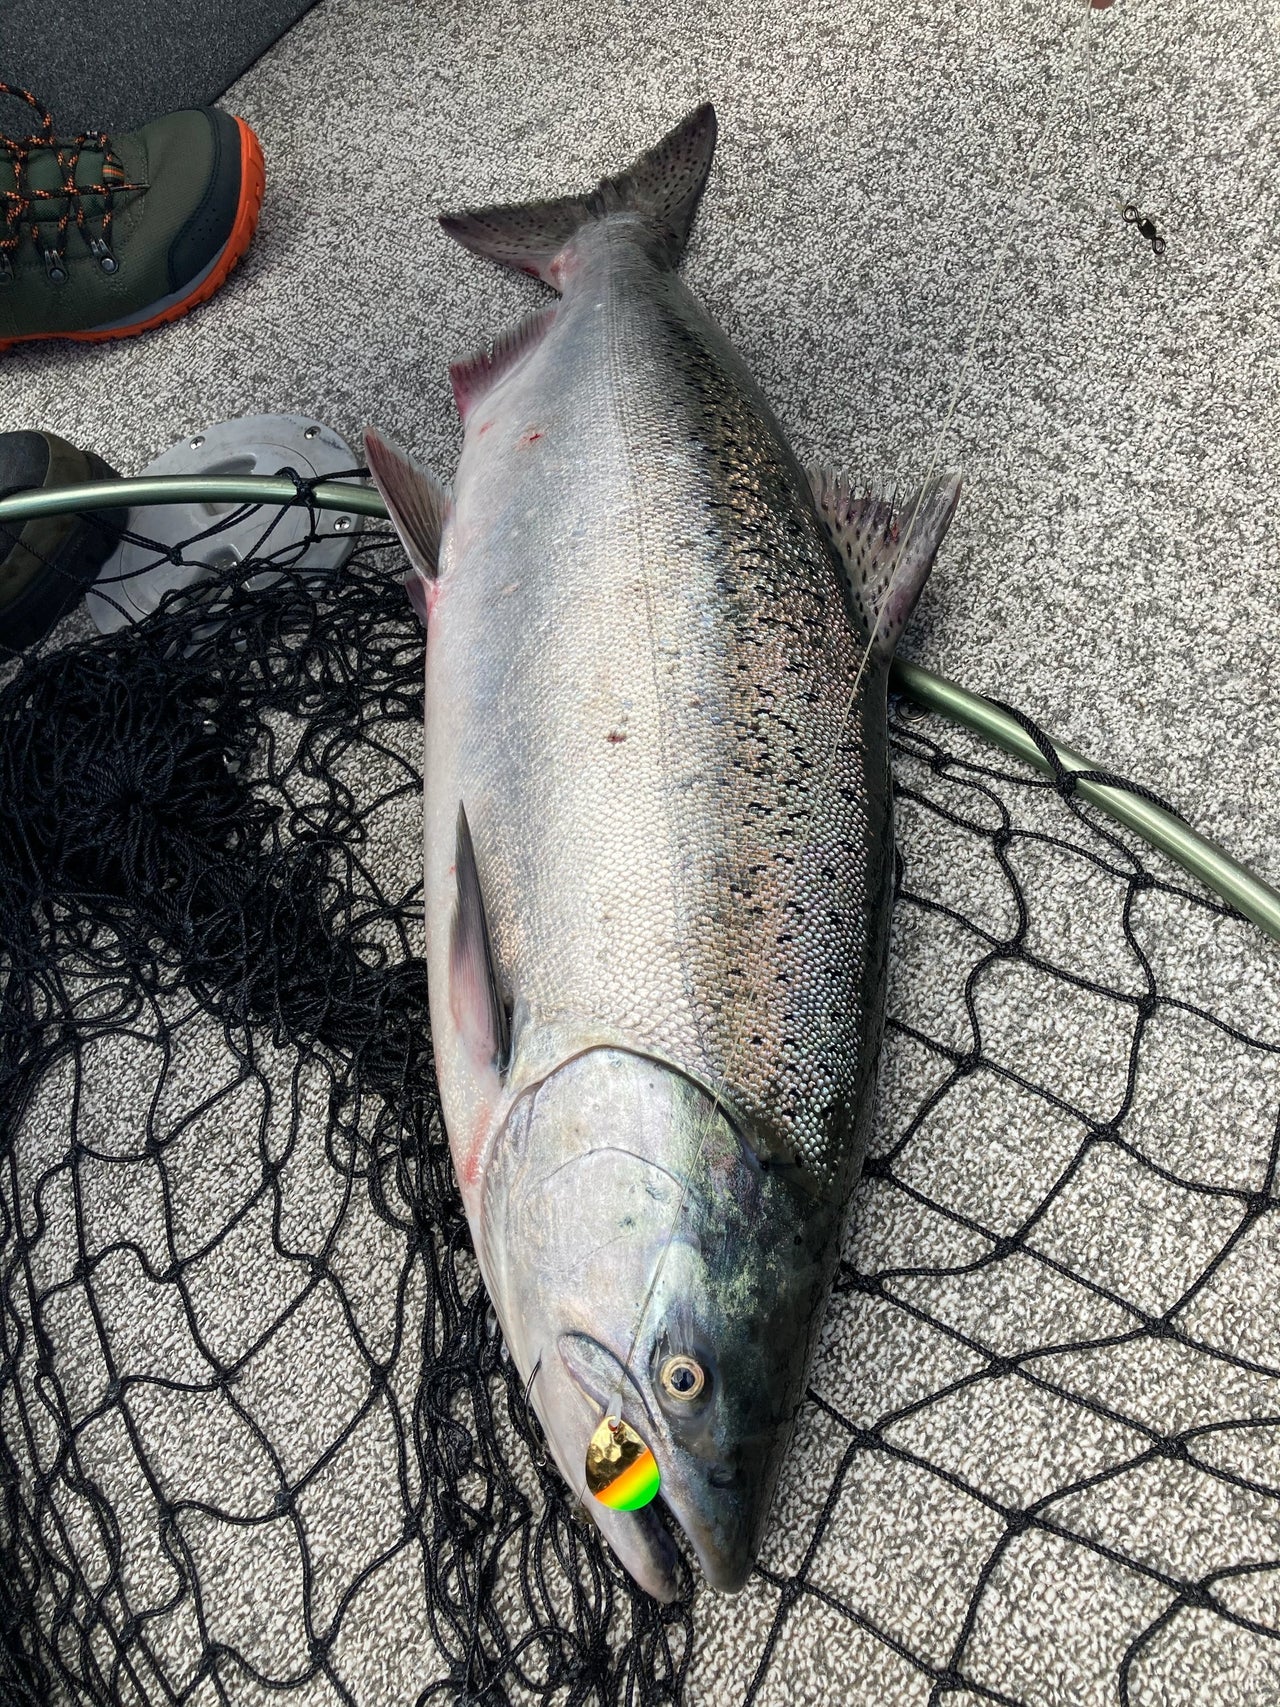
652,1268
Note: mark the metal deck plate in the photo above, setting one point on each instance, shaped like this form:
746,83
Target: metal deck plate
209,536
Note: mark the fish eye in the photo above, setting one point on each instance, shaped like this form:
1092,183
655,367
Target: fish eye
682,1377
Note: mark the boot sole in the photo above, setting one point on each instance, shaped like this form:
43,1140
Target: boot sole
253,182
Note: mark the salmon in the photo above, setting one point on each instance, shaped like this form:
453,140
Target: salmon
659,852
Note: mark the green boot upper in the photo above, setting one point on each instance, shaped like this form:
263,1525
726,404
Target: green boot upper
151,212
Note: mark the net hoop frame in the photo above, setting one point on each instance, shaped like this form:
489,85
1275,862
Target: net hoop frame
1201,858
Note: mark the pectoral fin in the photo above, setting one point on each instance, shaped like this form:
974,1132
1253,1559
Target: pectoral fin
416,503
886,546
478,1010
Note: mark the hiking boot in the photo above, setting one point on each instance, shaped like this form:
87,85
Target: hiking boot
48,562
102,237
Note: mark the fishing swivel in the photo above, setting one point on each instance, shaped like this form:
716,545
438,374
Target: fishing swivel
1146,227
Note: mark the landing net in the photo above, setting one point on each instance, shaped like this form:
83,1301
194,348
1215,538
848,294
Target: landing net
259,1439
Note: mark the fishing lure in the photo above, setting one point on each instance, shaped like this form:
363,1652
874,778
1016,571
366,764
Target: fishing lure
621,1470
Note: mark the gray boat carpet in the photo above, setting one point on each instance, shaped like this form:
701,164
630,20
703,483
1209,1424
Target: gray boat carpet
1040,1466
114,64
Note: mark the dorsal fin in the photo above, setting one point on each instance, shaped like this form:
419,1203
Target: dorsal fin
886,547
478,374
477,1008
662,187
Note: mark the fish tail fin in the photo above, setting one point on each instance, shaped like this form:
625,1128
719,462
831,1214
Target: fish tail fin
886,545
663,187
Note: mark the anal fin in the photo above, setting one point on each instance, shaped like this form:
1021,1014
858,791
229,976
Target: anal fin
886,546
474,1001
418,587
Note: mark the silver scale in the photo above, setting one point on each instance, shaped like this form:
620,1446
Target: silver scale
134,579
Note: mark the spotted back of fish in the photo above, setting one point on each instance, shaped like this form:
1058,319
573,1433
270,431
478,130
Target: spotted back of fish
641,684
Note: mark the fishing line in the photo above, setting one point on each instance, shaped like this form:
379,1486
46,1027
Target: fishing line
966,367
611,1414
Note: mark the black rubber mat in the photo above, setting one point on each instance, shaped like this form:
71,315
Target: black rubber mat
114,64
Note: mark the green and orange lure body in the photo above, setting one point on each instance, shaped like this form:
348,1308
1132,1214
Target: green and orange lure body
622,1472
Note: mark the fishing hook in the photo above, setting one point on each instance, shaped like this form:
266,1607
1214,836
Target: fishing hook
540,1454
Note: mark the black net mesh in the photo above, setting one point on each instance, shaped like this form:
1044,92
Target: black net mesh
258,1435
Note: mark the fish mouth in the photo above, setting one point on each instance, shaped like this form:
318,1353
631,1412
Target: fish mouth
642,1544
720,1537
727,1574
570,1398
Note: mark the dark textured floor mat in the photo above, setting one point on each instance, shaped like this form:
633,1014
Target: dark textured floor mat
115,64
